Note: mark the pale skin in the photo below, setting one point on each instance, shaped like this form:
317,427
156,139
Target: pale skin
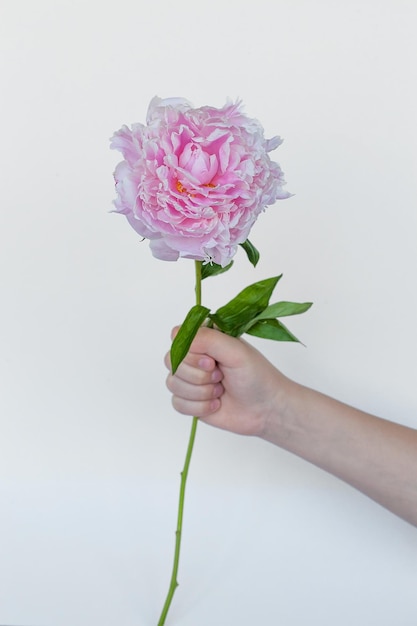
227,383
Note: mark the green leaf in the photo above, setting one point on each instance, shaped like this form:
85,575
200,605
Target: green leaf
234,317
188,330
272,329
251,251
282,309
213,269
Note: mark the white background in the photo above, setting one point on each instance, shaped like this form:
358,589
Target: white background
90,448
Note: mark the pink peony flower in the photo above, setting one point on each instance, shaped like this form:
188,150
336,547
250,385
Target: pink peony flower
193,181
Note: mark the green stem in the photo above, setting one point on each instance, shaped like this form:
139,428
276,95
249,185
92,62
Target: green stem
178,533
198,282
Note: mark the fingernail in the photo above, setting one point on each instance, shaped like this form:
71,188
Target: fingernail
216,376
215,404
217,390
204,363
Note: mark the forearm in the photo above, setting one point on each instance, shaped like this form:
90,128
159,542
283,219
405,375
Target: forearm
373,455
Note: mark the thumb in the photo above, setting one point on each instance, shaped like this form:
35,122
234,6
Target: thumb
226,350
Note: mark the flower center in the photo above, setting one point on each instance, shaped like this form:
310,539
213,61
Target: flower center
180,187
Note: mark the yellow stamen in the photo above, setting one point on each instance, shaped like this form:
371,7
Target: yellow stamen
180,187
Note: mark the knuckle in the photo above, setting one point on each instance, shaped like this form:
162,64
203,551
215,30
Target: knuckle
167,361
180,406
169,382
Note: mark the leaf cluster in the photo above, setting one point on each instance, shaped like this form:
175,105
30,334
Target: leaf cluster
249,312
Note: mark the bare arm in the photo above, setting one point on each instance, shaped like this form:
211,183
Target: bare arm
374,455
229,384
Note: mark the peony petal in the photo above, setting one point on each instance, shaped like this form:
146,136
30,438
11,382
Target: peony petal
272,144
157,104
124,141
162,251
139,227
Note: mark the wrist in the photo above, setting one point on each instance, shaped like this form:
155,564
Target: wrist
280,418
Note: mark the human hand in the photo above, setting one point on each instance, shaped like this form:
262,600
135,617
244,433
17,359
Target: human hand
227,383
